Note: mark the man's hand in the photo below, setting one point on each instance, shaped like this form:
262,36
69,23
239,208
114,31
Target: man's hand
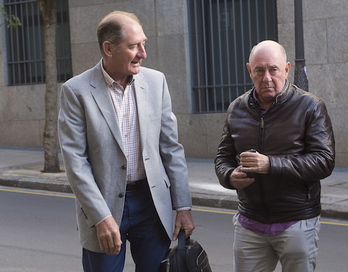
183,221
109,236
254,162
239,180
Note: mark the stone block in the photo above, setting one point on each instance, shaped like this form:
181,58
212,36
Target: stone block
31,101
285,11
84,56
214,123
172,54
314,9
171,17
180,94
21,133
337,39
286,35
330,81
8,104
84,21
315,32
193,134
152,56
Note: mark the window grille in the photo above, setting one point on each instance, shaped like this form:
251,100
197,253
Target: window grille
222,33
25,44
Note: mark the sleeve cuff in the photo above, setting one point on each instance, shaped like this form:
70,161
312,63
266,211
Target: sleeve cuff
183,209
102,220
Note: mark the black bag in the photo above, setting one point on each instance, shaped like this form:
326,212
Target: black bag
187,256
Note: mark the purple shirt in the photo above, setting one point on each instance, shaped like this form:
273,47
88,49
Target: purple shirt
264,229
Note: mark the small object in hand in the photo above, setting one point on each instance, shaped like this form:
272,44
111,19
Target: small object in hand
250,174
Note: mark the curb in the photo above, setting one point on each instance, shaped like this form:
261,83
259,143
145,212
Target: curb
198,199
51,185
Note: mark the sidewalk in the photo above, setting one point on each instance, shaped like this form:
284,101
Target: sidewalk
21,168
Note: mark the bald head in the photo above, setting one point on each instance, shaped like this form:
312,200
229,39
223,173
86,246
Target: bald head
268,69
111,27
268,45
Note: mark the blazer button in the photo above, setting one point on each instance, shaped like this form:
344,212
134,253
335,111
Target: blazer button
120,195
123,167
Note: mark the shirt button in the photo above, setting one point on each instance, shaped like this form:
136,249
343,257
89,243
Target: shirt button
120,195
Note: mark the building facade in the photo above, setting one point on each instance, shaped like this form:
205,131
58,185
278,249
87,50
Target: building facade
201,46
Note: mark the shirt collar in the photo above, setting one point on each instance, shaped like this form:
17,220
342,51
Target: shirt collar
110,81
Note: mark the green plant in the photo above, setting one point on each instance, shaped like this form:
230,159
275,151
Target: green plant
12,21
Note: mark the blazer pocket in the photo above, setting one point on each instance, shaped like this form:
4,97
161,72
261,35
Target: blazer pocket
166,182
165,178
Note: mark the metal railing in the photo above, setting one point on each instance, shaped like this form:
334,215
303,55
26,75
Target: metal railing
222,33
25,44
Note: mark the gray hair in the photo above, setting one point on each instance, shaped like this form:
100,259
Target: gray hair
111,28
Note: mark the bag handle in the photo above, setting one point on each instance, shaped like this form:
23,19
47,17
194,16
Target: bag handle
181,240
181,252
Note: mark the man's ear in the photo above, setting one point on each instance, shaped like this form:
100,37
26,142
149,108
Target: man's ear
287,68
107,48
249,68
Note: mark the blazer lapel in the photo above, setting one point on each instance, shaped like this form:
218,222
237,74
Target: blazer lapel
101,96
141,93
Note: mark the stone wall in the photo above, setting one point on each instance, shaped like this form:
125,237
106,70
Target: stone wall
165,24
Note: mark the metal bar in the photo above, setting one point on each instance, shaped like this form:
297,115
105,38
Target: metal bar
40,44
197,52
35,57
21,49
249,21
29,46
265,12
227,49
212,57
243,41
220,52
205,56
235,43
257,21
300,77
10,54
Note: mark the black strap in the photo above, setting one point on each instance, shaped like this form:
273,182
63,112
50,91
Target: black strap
181,251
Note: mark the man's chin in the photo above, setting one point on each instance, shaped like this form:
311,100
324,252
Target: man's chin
135,70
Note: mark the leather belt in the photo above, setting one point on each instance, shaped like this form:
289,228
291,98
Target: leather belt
136,185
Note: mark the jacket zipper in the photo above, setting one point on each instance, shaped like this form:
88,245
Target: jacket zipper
262,124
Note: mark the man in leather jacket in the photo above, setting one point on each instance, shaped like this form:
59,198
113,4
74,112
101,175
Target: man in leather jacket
277,144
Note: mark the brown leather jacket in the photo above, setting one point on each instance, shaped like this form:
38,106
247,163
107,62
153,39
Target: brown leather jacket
296,134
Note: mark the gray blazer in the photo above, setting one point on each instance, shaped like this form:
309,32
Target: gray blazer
94,157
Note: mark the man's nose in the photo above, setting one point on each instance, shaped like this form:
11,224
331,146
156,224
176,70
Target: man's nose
142,52
267,76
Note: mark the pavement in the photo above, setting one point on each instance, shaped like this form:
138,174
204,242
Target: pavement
21,168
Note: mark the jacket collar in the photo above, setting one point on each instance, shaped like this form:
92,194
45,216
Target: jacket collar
284,94
281,97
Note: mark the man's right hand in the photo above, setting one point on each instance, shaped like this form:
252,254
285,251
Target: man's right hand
239,180
109,236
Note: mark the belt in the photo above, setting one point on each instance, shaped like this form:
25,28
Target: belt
136,185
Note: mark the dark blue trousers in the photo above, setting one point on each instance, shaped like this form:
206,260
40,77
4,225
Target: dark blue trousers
141,226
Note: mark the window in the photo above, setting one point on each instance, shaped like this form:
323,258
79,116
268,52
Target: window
222,33
25,44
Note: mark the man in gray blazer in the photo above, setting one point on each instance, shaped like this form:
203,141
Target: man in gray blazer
120,148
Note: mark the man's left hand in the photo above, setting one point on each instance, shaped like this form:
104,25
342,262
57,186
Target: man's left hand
254,162
183,221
